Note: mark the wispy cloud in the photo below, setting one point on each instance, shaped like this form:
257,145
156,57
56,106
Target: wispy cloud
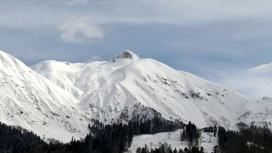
254,82
78,29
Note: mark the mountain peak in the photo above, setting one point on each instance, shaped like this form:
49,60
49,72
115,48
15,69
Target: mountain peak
127,54
10,62
5,55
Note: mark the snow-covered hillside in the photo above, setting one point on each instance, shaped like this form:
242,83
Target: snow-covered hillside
109,89
34,103
259,113
59,99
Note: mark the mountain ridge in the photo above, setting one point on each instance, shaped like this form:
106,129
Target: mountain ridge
120,76
74,94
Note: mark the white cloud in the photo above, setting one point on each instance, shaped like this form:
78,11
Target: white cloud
254,82
78,29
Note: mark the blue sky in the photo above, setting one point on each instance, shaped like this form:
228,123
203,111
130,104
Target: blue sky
224,41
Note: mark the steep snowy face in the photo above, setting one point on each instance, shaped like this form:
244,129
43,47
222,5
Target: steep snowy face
9,64
31,101
120,90
63,74
258,113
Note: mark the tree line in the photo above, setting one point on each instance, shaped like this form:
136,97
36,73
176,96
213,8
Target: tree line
248,140
115,138
165,148
18,140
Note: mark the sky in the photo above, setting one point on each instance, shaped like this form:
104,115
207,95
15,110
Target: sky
224,41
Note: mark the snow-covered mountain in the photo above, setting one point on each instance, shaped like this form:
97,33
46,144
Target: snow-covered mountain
34,103
109,89
59,99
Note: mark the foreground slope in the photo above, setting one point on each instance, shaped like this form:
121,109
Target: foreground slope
31,101
207,141
117,91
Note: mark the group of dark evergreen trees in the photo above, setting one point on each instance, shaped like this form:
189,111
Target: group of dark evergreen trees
210,130
165,148
18,140
115,138
247,140
190,134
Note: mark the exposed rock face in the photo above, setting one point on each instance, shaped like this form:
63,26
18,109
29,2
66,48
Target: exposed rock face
126,55
267,98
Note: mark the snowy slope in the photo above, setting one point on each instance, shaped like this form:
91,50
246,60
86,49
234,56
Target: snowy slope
110,89
207,141
33,102
59,99
259,113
